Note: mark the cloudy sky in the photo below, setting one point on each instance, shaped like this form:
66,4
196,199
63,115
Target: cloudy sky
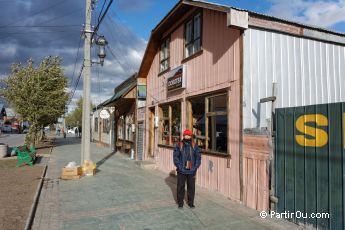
38,28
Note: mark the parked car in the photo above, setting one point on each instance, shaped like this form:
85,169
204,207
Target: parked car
15,129
72,130
26,130
7,128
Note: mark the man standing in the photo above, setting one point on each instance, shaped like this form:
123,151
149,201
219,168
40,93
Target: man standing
187,159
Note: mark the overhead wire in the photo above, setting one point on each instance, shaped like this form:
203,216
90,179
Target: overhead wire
36,13
101,10
101,19
34,32
96,20
117,59
76,60
64,15
112,50
76,84
80,72
40,26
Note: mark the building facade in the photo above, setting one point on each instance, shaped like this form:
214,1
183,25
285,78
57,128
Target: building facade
221,72
102,130
193,82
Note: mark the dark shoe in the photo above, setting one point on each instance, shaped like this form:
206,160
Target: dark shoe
180,206
191,205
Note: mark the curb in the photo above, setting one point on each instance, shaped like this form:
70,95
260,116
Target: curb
31,217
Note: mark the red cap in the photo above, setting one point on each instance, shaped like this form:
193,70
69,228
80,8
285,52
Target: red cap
187,132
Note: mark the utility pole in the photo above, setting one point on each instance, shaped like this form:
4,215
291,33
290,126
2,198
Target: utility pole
85,141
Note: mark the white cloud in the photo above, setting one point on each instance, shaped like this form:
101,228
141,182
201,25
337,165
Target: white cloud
8,50
319,13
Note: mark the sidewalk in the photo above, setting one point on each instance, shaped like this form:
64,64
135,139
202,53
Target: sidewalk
123,196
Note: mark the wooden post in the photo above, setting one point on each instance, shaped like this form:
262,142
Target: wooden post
206,123
170,123
189,115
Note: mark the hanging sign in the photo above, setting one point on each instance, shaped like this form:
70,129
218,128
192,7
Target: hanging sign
177,78
104,114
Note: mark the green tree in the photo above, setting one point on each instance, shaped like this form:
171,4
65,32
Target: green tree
75,117
37,93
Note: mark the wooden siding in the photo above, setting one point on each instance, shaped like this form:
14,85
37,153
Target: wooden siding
215,68
255,172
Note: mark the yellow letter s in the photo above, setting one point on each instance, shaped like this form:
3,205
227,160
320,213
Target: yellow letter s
320,136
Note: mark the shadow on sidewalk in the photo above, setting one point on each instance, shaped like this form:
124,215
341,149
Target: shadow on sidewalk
171,181
99,163
60,141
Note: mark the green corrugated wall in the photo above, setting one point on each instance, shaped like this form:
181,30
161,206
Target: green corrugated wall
309,163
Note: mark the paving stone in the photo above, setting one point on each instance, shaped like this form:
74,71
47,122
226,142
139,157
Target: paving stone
124,196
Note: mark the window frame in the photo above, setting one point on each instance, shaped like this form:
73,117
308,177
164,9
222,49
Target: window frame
167,59
96,124
209,114
191,19
121,128
106,125
129,123
169,119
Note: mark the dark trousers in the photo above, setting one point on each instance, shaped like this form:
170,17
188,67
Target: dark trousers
181,181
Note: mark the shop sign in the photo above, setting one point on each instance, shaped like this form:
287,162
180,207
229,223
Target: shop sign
104,114
177,78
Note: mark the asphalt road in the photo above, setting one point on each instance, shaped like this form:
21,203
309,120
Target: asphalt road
12,139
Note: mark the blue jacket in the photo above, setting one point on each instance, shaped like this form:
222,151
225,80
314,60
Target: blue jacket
182,154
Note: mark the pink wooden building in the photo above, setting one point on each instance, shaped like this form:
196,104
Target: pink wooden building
193,68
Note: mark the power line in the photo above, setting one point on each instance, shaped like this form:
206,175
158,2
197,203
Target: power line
101,10
76,60
129,66
35,32
38,12
36,26
64,15
101,19
77,83
117,60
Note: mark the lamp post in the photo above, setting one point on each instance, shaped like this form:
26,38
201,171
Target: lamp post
101,42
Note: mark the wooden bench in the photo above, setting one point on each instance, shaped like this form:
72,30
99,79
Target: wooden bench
27,156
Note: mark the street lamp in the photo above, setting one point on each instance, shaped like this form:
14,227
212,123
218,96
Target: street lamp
101,42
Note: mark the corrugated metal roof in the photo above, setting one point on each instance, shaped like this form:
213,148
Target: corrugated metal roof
124,90
274,18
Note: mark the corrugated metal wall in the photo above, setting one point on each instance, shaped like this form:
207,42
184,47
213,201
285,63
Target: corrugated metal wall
306,71
310,163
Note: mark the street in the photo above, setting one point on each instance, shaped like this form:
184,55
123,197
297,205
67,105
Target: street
12,139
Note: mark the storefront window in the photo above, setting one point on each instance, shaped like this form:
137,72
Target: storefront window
96,124
120,128
176,123
217,133
213,119
106,125
170,124
129,122
198,114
